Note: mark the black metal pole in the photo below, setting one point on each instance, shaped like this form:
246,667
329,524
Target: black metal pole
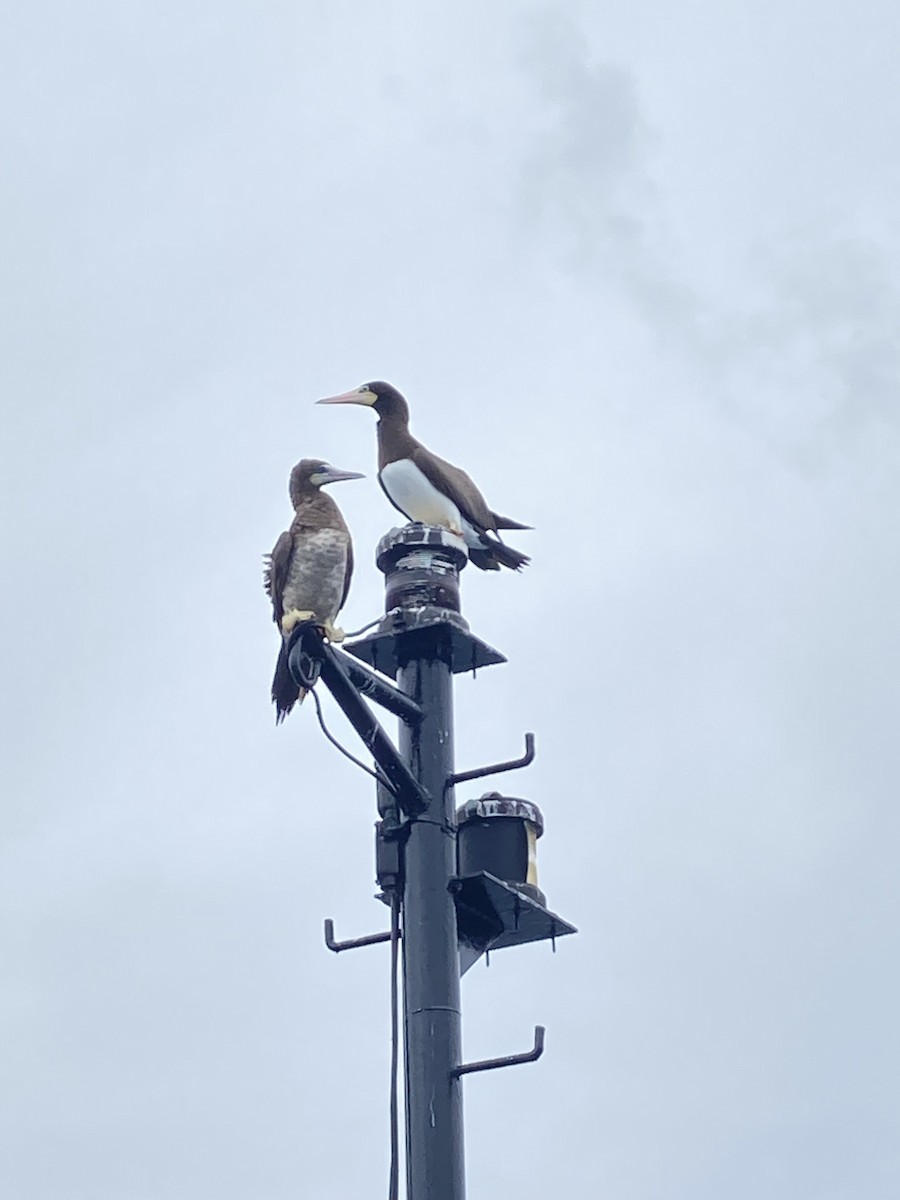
422,567
434,1152
423,641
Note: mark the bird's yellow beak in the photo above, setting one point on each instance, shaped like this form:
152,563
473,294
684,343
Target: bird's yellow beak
356,396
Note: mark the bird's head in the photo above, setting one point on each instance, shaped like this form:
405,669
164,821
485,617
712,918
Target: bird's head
310,474
386,400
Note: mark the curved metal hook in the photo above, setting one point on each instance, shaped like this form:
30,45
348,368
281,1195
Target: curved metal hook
509,1060
512,764
371,939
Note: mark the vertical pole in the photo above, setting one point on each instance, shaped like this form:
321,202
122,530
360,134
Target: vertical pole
434,1120
422,565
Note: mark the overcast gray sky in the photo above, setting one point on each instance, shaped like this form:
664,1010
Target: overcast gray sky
637,268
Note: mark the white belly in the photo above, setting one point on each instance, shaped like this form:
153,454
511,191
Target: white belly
411,492
417,497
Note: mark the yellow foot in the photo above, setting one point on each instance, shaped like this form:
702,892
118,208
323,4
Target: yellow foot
295,617
332,633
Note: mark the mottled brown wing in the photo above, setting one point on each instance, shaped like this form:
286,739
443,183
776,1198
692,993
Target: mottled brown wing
276,572
348,573
457,485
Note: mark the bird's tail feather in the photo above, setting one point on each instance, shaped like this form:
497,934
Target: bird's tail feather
285,692
491,556
508,523
483,559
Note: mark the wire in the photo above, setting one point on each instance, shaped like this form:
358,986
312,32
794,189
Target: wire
371,624
394,1183
378,775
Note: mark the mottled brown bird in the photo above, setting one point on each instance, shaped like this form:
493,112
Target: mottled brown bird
307,575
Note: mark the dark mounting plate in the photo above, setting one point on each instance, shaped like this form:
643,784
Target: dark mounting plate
387,649
490,914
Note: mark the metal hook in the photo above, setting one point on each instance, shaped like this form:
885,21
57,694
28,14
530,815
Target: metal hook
497,768
371,939
510,1060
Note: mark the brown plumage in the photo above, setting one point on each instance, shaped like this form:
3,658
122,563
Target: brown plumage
307,575
427,488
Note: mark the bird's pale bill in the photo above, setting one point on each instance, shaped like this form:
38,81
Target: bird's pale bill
360,395
330,474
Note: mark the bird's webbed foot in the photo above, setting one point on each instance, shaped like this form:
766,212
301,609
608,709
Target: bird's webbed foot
295,617
332,633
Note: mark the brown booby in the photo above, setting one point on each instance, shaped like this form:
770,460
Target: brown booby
307,575
426,488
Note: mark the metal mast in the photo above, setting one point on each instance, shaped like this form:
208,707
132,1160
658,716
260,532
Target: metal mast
448,920
431,1004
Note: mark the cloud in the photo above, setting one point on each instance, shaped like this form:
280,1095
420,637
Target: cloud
817,358
797,342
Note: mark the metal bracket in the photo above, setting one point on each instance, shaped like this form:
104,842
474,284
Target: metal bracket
497,768
371,939
371,685
307,646
510,1060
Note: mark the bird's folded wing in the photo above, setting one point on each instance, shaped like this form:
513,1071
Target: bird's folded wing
276,572
348,573
457,485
